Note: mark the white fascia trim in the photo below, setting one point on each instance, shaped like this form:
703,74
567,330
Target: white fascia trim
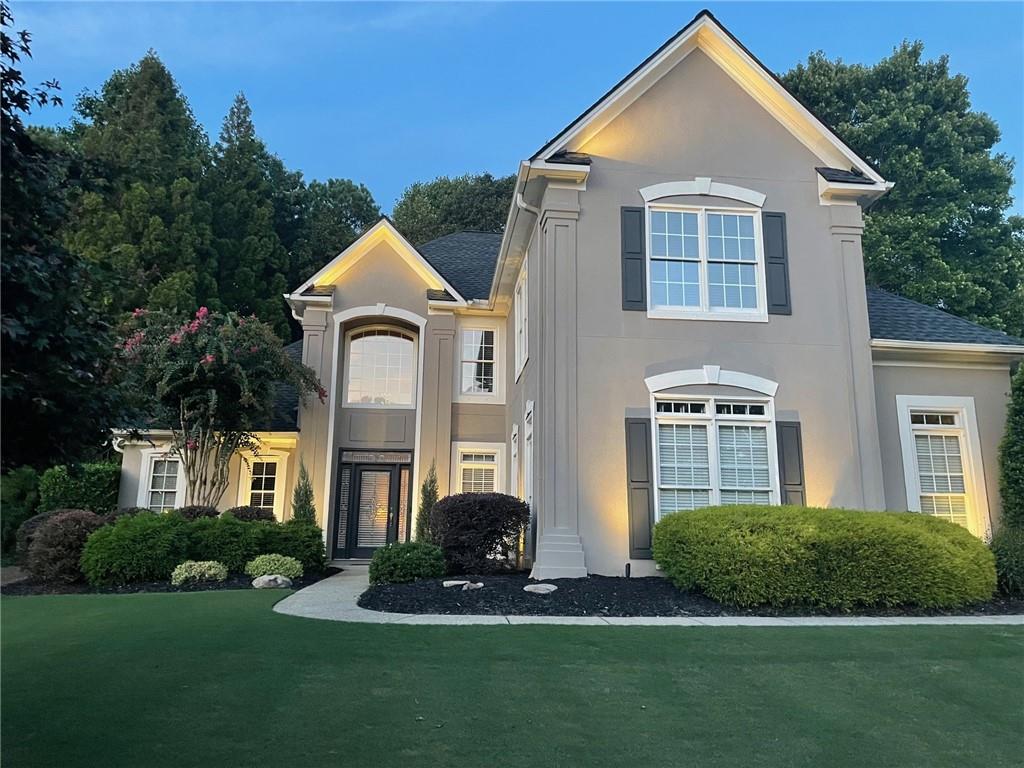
977,493
311,299
942,346
702,186
384,228
711,374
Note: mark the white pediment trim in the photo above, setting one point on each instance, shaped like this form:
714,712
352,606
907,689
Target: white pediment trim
702,186
711,374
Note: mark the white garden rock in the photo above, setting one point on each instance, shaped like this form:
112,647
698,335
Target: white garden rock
472,585
454,582
540,589
272,581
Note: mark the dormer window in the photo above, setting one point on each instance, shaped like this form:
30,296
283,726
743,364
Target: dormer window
705,263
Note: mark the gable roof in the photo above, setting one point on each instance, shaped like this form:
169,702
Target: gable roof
382,231
466,259
709,35
897,318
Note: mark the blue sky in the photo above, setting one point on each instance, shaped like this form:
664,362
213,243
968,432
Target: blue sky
390,93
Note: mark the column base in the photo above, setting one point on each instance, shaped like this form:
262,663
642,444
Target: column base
559,556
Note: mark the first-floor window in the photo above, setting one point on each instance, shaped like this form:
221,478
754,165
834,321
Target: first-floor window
712,451
528,453
263,485
477,472
514,462
163,484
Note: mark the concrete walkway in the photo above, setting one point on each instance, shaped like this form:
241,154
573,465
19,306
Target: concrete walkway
334,599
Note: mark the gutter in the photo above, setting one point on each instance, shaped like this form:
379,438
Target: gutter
942,346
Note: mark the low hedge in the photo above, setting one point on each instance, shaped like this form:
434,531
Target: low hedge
147,547
250,513
197,511
829,558
400,563
1008,548
80,486
136,548
57,546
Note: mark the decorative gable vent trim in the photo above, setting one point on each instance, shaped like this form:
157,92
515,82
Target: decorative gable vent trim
702,186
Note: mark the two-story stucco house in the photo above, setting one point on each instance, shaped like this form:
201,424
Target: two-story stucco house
675,316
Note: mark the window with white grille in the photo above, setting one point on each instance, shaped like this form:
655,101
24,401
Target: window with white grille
477,367
163,484
263,485
477,467
380,368
714,451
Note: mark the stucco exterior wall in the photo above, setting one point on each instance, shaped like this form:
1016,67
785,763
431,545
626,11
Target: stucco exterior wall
990,388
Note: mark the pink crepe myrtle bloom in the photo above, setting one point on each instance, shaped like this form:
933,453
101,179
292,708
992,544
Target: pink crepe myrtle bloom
175,338
133,342
207,359
139,312
322,394
191,444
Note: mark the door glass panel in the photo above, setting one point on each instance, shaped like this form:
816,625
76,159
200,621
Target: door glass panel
374,493
403,504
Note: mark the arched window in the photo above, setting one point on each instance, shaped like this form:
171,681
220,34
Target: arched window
381,368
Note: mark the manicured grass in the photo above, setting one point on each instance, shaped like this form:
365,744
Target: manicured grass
217,679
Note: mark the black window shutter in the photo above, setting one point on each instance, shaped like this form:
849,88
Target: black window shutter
640,487
791,462
776,263
634,271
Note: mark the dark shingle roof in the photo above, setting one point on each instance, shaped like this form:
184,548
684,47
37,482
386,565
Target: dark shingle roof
466,260
894,317
852,176
285,414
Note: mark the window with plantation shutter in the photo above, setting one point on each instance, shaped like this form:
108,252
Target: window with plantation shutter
743,465
684,472
941,471
477,468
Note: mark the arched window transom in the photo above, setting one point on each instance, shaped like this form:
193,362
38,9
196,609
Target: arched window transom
381,368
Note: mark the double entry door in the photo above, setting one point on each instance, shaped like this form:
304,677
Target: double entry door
373,501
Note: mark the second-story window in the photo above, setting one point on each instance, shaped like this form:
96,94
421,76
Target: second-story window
705,263
477,367
521,309
381,368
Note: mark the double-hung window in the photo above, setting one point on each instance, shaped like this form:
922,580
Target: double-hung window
162,480
477,467
263,485
521,310
714,451
705,263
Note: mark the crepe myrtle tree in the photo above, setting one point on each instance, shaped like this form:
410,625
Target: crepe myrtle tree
210,378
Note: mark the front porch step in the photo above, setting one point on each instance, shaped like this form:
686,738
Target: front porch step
348,563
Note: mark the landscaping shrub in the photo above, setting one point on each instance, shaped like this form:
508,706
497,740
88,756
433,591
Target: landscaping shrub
197,511
428,498
479,532
19,497
303,541
80,486
273,564
117,514
27,531
57,546
1011,456
195,571
1008,548
399,563
829,558
303,509
250,513
136,548
225,539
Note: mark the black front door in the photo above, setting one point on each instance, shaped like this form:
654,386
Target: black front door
372,508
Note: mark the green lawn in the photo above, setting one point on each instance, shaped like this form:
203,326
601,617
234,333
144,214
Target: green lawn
217,679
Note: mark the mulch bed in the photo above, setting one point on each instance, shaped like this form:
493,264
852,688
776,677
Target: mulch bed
503,595
234,581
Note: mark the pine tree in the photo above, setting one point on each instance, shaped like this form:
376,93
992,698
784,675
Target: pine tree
303,509
252,262
1011,457
428,498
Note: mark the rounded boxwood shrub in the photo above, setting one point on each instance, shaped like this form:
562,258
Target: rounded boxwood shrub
250,514
197,511
399,563
117,514
295,538
28,529
136,548
479,532
273,564
1008,548
225,539
196,571
828,558
57,546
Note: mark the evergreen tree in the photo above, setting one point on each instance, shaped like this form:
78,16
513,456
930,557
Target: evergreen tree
1011,457
138,211
428,210
941,236
252,262
303,509
333,214
428,498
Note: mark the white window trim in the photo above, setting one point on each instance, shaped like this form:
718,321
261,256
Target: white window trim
528,453
245,478
415,367
460,447
521,310
760,315
513,470
974,471
149,456
479,323
712,421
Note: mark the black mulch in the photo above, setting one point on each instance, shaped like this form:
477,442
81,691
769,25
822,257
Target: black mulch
604,596
234,581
